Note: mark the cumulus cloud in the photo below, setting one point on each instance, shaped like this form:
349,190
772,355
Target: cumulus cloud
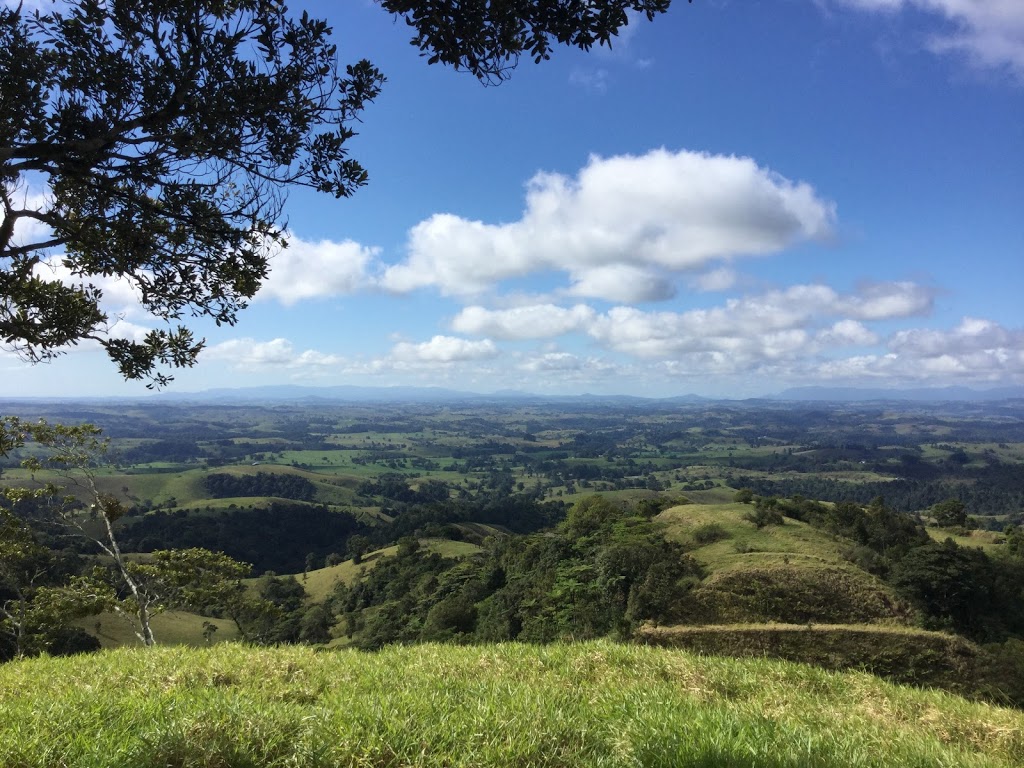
120,296
251,355
765,325
553,361
303,270
975,351
443,349
619,226
848,333
801,319
990,32
569,367
312,270
971,336
884,301
528,322
621,282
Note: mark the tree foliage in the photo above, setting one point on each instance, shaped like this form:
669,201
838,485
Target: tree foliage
602,571
949,513
487,37
221,485
166,134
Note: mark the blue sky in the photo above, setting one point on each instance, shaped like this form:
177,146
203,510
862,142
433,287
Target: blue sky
737,198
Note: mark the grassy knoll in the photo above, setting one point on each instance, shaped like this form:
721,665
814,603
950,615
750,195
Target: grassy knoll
789,573
795,540
797,592
593,704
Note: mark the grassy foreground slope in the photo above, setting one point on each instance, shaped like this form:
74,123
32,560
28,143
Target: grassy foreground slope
590,704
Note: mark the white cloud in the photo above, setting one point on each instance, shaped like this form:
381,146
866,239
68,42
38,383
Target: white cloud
970,337
444,349
250,355
619,225
883,301
975,351
621,282
801,318
847,333
120,296
567,365
990,32
304,270
761,326
528,322
312,270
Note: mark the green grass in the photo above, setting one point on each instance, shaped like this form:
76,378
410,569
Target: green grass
595,704
795,541
170,628
989,541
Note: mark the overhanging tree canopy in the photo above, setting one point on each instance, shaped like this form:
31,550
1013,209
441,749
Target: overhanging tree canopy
487,37
165,135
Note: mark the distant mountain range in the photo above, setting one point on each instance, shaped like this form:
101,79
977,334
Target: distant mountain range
351,394
356,394
922,394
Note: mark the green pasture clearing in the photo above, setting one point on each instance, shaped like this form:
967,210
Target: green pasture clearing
596,704
625,496
449,548
1006,452
795,540
260,441
989,541
320,583
946,448
718,495
482,529
159,487
169,628
159,466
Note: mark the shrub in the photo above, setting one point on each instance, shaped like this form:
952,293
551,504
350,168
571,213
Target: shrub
709,533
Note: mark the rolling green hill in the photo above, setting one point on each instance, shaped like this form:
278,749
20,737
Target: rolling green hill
791,573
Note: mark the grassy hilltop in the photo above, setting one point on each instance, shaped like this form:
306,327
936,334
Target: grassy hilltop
590,704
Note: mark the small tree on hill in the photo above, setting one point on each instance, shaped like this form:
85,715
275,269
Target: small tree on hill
766,512
950,513
137,591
